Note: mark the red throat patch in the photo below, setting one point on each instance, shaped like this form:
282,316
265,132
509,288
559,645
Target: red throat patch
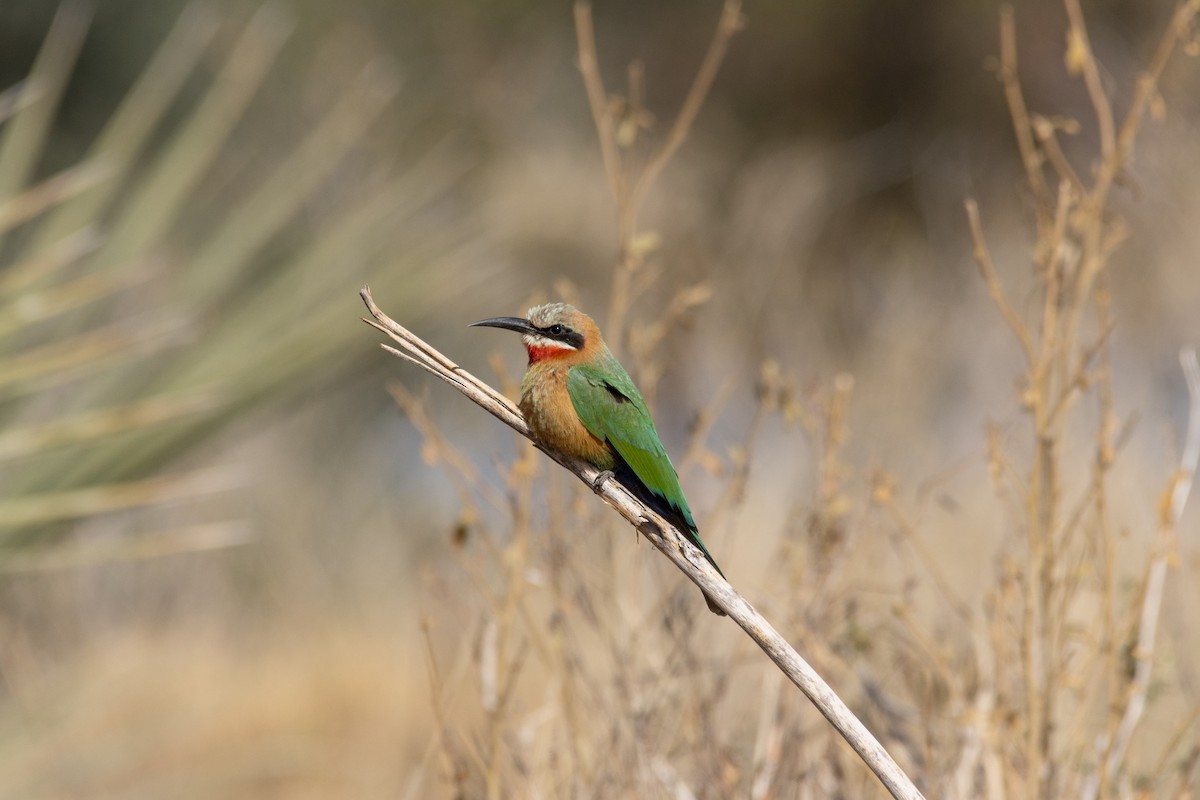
537,354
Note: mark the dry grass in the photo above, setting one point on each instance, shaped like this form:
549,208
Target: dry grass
1032,687
1016,624
296,721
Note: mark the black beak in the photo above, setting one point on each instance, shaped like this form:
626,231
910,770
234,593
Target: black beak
508,323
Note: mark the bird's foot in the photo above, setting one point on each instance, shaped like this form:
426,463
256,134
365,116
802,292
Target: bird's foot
601,479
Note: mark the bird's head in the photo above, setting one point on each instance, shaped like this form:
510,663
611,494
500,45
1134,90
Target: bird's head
553,330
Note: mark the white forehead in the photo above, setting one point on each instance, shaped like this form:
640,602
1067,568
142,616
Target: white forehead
548,314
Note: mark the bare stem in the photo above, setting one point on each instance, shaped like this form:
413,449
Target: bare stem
1147,88
1174,501
984,259
1080,56
589,65
674,546
629,181
1015,98
727,26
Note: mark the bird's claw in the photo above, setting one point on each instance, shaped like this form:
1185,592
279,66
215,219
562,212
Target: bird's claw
601,479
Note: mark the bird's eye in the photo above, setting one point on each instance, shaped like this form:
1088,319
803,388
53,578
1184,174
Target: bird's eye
556,330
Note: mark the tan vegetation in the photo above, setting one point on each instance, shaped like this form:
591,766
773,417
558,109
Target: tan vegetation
1010,617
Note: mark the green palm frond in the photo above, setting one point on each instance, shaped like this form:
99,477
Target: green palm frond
120,344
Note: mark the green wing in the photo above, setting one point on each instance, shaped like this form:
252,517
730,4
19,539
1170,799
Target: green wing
613,410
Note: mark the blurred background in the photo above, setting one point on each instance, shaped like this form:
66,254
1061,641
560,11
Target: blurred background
229,564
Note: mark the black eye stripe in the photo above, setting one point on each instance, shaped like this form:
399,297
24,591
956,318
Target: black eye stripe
562,333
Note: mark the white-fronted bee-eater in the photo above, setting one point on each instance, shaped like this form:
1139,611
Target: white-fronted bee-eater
577,399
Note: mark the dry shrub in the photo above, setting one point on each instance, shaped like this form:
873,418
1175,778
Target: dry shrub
564,663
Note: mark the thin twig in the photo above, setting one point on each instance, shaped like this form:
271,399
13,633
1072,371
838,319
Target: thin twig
672,544
589,65
1081,57
1010,78
1191,451
628,180
730,22
984,259
1155,582
1147,88
1047,136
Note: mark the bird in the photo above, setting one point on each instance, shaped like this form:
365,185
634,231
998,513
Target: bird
578,400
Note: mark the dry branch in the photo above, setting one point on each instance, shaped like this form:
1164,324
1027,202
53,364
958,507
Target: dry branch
1015,97
629,177
1156,575
984,259
672,544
